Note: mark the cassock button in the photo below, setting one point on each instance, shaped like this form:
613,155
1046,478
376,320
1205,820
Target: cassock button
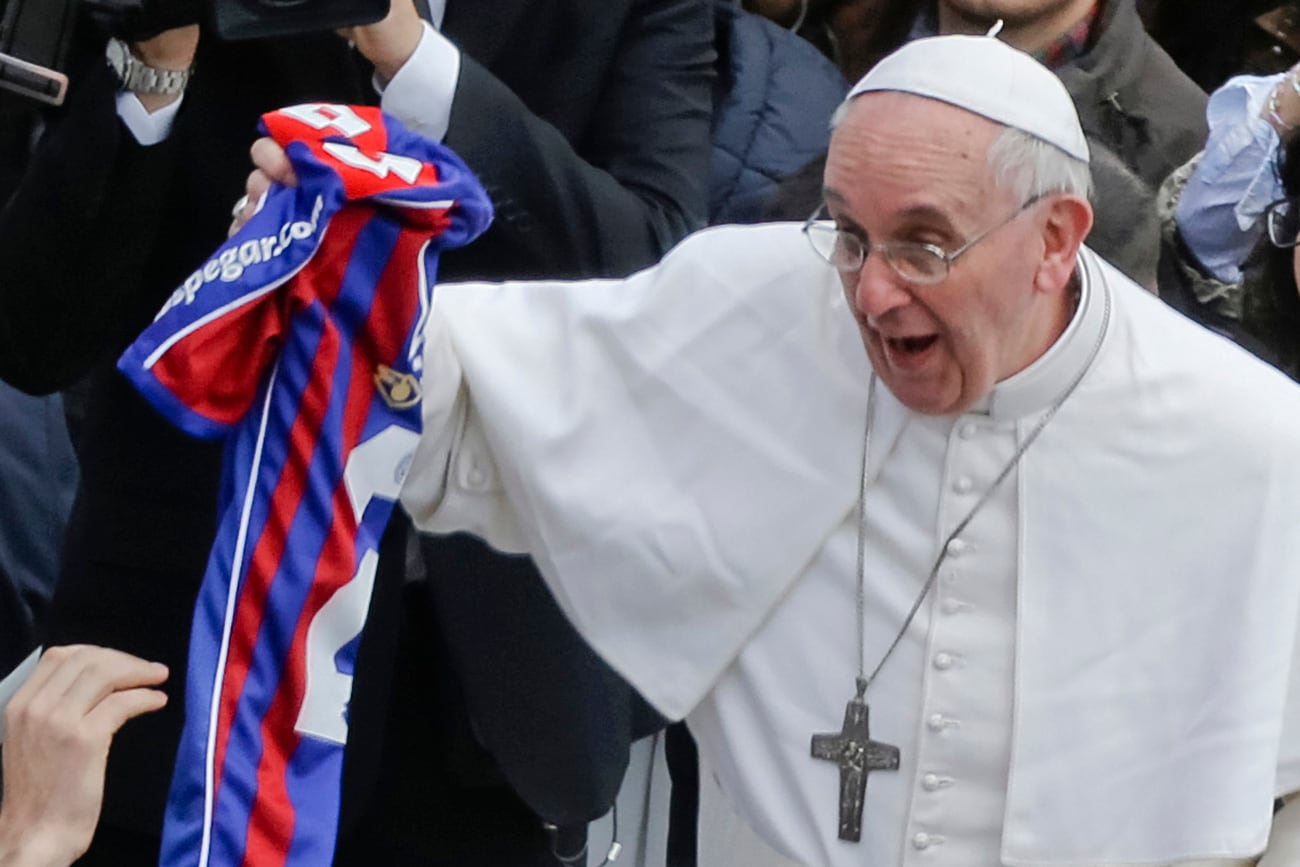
931,782
943,661
953,606
921,840
936,722
955,548
963,485
968,430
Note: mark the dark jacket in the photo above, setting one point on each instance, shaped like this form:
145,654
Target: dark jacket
1131,96
587,121
776,95
38,477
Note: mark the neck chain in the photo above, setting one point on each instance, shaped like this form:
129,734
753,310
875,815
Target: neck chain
852,747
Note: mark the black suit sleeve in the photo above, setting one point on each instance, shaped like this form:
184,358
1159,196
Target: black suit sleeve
640,183
75,238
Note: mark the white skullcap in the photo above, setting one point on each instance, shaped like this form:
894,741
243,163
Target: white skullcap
988,77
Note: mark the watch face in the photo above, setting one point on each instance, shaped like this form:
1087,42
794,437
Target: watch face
117,53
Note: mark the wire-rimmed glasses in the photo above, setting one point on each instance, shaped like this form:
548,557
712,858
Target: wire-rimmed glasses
917,262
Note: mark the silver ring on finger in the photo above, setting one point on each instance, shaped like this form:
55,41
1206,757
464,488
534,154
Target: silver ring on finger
240,204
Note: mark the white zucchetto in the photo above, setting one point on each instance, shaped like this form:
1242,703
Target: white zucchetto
987,77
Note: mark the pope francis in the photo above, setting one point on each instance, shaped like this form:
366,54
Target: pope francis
952,545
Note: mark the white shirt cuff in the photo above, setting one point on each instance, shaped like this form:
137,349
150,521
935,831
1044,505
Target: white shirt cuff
148,128
421,93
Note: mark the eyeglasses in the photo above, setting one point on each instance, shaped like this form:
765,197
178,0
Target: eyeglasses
916,262
1283,221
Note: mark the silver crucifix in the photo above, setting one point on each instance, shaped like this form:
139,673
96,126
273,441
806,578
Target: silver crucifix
857,755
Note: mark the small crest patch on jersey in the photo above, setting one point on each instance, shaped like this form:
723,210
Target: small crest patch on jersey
399,390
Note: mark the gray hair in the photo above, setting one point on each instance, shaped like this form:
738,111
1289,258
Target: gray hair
1023,163
1027,166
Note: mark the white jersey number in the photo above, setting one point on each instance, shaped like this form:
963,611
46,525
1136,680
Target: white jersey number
375,468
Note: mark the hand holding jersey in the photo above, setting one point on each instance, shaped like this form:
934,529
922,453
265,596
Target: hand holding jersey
388,45
272,167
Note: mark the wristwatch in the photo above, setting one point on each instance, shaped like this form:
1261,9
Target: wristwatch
138,77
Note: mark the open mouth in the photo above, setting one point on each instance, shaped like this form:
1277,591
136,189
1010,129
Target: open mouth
910,346
912,353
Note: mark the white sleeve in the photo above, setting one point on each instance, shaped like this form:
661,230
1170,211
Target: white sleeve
148,128
453,484
421,93
652,443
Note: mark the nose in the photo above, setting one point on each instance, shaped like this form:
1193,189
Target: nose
876,288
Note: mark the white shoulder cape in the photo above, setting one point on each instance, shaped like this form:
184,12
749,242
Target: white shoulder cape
675,448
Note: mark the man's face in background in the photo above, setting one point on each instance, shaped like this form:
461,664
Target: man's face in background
1013,12
1030,25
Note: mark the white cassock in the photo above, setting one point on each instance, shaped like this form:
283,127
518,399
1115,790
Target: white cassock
1102,674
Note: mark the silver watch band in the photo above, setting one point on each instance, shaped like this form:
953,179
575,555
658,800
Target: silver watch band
138,77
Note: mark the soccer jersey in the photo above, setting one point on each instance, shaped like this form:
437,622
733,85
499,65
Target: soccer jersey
300,340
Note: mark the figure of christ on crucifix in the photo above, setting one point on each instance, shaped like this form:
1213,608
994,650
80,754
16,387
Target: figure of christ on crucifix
857,755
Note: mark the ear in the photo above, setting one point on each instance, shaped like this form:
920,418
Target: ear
1067,223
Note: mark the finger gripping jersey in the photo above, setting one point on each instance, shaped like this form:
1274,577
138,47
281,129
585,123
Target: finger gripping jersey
300,340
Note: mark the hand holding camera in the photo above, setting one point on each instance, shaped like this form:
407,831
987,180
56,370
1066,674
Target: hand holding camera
137,21
390,42
140,20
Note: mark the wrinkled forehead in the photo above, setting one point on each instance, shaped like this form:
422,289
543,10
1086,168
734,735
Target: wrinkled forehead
896,113
907,150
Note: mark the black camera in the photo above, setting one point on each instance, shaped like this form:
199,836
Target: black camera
35,34
248,19
235,19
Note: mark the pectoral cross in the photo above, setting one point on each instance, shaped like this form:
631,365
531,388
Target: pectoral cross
857,755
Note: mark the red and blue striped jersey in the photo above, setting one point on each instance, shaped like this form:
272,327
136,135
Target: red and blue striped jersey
300,340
